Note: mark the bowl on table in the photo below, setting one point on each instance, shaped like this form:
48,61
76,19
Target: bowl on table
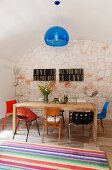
63,100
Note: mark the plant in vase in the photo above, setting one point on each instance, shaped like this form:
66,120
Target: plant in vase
45,90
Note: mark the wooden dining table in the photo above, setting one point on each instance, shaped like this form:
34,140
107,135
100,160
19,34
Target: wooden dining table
68,106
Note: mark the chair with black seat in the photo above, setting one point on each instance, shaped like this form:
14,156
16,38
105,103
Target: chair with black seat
28,116
62,114
81,118
103,113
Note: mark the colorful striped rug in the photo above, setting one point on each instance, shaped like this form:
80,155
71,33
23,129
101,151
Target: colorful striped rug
17,156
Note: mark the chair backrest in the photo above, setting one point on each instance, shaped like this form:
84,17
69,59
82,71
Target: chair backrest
81,117
9,106
22,110
52,111
104,110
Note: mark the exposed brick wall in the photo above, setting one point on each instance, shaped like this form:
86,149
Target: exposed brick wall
94,57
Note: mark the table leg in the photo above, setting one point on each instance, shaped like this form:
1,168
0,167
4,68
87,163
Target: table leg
14,119
95,126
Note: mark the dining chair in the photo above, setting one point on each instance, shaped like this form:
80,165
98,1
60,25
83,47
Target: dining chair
62,115
81,118
8,110
103,114
52,120
61,111
28,116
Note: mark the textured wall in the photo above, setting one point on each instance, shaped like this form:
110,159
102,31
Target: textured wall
94,57
6,84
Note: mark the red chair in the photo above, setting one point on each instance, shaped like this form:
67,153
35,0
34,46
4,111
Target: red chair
26,115
9,110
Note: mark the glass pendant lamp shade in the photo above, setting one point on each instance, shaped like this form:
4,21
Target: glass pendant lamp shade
56,2
56,36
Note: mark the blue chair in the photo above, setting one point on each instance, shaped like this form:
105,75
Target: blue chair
103,113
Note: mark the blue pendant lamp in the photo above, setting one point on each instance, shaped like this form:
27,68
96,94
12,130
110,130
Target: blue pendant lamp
56,36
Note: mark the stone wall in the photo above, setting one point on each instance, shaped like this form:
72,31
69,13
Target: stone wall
94,57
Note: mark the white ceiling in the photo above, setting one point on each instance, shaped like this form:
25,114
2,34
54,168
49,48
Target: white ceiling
24,22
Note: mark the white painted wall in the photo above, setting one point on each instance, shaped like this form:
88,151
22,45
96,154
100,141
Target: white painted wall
6,84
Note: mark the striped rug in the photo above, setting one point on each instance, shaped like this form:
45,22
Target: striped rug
17,156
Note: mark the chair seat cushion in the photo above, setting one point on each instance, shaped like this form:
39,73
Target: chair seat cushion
51,119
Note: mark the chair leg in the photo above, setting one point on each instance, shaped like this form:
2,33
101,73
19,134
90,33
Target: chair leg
4,122
47,130
63,117
28,128
91,129
59,133
18,125
102,125
69,130
43,134
38,127
16,129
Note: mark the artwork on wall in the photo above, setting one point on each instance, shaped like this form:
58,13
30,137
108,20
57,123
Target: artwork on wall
64,74
71,74
44,75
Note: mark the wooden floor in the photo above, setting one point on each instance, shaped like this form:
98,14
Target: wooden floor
80,136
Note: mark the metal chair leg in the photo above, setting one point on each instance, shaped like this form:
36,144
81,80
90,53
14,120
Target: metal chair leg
28,128
59,135
47,130
63,116
38,127
102,125
69,130
16,129
91,129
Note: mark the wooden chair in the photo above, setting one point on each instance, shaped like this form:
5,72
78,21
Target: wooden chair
9,110
52,120
26,115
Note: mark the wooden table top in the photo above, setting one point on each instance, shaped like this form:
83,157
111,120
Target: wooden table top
67,106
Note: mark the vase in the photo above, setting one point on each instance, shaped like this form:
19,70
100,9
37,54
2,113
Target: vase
74,99
45,99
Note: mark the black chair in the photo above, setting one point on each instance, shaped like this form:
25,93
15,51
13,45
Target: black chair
81,118
62,114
